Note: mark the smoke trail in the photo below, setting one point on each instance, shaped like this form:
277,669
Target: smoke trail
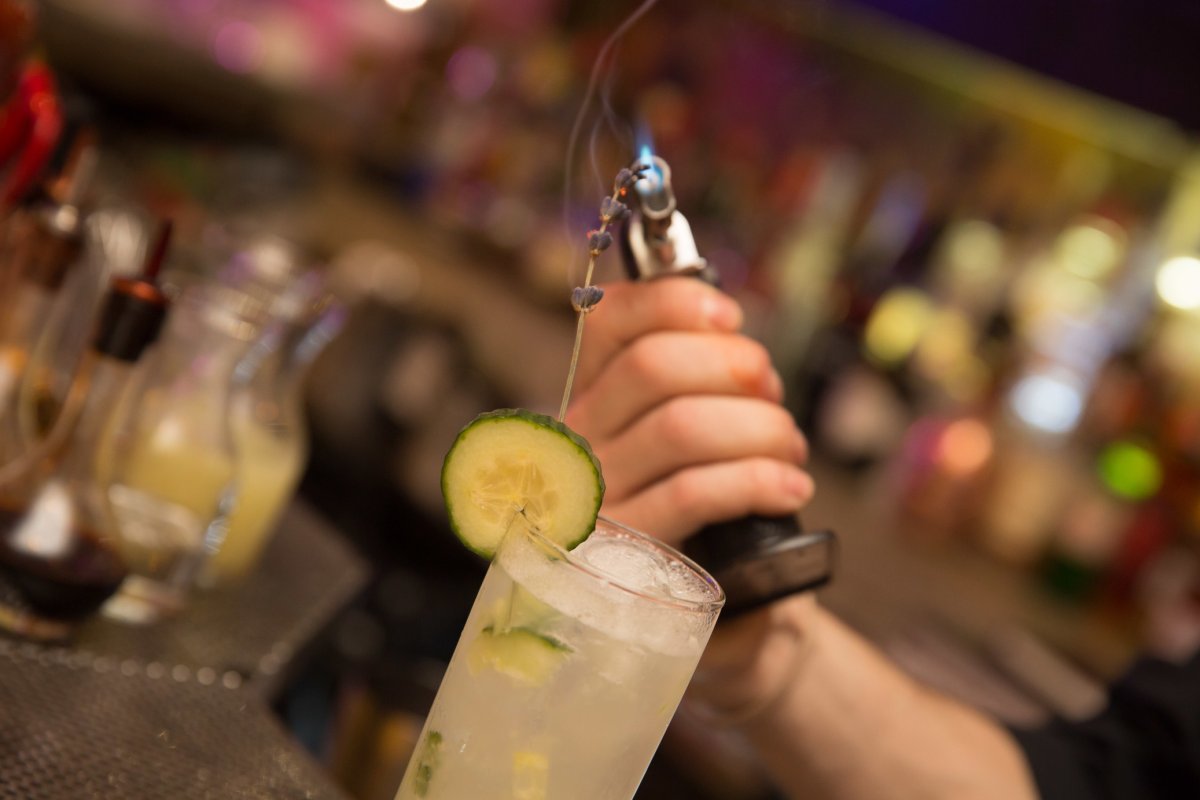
607,114
601,72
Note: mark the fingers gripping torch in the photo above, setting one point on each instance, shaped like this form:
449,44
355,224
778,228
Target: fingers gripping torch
756,559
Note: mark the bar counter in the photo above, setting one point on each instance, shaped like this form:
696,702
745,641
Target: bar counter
180,709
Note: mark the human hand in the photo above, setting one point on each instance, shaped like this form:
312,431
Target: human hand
683,411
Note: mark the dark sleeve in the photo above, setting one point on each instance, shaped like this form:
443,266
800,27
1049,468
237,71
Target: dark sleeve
1144,745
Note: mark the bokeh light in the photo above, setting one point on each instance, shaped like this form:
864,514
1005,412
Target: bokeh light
1130,471
1049,402
1089,250
471,72
965,447
238,46
897,324
976,247
1178,283
405,5
946,343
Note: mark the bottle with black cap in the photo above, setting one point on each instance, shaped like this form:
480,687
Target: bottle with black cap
59,552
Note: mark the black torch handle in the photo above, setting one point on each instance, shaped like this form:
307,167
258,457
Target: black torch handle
759,559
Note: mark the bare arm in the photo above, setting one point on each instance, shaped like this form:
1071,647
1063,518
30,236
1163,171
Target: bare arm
831,717
684,413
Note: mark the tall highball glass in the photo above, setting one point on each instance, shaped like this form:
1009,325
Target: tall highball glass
569,668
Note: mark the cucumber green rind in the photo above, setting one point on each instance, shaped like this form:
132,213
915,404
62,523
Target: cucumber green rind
543,638
561,456
527,656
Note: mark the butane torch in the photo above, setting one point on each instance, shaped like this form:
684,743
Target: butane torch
756,559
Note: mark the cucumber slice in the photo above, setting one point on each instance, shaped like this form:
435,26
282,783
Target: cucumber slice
513,461
520,653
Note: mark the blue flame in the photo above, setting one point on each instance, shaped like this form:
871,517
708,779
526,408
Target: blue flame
644,141
653,177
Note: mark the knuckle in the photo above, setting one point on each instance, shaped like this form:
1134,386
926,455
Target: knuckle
783,420
675,423
756,357
762,473
686,490
804,446
681,297
643,362
763,483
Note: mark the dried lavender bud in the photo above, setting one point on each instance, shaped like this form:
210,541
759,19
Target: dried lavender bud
613,210
599,241
585,298
625,178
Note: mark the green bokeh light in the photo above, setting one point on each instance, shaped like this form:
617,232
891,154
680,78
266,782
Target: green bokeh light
1130,471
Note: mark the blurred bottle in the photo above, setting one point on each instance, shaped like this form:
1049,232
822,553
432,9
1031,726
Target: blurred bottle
43,244
60,552
172,456
269,427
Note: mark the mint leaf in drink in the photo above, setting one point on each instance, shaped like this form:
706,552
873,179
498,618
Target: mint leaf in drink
430,757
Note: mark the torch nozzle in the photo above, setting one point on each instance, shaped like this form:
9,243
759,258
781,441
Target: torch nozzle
655,197
657,239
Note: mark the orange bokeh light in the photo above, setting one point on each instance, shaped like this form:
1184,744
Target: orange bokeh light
965,446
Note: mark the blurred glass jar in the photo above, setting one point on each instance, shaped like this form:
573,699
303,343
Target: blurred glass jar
269,427
171,457
69,322
42,249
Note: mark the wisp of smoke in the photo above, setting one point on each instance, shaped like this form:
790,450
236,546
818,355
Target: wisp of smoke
600,81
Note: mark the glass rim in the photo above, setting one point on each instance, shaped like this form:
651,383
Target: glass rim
692,606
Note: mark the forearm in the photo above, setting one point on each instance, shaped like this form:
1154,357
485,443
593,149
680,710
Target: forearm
850,725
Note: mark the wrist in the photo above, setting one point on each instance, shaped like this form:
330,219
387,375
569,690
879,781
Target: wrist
753,663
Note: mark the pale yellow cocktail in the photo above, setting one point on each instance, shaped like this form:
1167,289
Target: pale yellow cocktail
569,668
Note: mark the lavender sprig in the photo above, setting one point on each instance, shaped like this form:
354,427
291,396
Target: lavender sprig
585,298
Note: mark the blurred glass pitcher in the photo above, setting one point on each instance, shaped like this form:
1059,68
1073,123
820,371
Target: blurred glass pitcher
171,459
270,430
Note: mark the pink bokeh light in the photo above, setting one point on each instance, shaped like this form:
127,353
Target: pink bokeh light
237,46
471,72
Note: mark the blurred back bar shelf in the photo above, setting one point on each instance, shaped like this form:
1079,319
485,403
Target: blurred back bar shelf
897,52
980,284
